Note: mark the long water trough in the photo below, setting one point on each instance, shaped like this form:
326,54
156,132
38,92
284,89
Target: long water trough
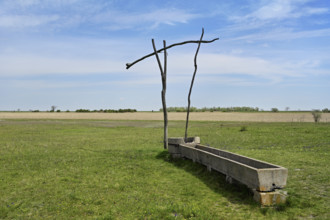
263,178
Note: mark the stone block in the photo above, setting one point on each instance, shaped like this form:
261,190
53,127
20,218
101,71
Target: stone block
276,197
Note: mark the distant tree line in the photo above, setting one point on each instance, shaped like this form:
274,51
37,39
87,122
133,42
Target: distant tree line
213,109
227,109
108,110
192,109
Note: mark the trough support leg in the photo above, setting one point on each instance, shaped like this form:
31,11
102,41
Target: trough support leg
270,198
229,179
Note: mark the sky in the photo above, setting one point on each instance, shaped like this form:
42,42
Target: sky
73,53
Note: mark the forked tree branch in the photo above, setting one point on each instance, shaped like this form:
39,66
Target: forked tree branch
191,85
128,65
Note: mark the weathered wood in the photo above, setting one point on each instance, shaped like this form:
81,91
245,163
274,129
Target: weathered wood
164,81
128,65
163,93
191,85
165,119
164,73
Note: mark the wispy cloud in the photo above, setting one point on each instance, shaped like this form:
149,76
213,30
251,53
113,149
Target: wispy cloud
273,71
274,15
25,21
180,65
68,14
117,20
281,34
37,65
284,9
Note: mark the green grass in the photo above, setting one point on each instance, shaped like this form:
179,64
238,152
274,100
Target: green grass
83,169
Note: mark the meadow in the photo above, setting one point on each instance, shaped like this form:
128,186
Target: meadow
113,169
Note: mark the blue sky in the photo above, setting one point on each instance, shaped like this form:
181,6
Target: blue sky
72,53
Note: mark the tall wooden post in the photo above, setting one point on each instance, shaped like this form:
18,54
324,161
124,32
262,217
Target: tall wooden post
191,85
163,76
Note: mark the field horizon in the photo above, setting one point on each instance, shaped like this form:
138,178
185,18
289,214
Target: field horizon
176,116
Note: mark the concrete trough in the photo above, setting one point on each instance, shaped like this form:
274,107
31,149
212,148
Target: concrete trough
261,177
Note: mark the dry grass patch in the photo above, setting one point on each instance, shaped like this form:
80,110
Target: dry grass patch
177,116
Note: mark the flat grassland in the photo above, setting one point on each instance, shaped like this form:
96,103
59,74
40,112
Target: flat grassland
194,116
112,169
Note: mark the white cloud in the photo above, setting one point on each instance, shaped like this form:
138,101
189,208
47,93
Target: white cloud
275,14
209,63
116,20
37,65
276,9
282,9
311,11
18,21
180,67
66,14
283,34
232,66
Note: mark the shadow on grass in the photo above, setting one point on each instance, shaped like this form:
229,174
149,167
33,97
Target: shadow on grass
235,193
